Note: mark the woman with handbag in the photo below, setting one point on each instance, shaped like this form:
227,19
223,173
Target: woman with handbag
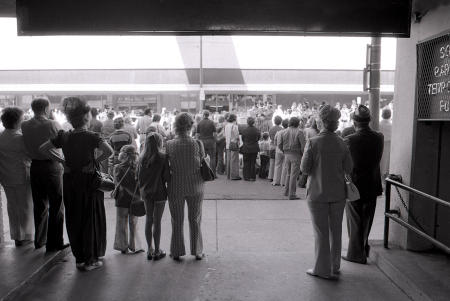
232,148
185,156
153,175
326,160
84,207
125,194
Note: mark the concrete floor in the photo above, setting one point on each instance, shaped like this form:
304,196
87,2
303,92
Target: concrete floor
256,250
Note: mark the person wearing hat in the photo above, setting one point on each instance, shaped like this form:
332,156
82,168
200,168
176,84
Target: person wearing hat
366,148
326,160
117,140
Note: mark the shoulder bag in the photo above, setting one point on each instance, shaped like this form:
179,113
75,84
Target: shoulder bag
351,192
137,207
205,171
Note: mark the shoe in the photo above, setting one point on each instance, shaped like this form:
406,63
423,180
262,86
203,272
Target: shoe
270,180
273,184
159,255
124,251
93,266
18,243
310,272
176,258
355,261
236,179
199,256
149,256
294,197
80,265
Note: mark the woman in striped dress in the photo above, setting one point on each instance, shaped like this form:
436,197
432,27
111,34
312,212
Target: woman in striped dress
186,185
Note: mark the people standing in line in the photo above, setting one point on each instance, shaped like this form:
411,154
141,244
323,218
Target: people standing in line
279,174
45,178
220,145
15,177
95,124
386,130
143,123
326,160
153,175
206,131
126,239
250,148
264,155
186,185
232,148
366,148
272,132
292,143
117,140
84,204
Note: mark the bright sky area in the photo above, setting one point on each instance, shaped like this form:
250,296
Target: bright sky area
171,52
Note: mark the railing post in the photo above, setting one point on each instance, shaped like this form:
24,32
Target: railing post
387,209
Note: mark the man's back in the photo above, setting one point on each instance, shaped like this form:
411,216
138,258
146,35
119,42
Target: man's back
366,148
292,140
206,129
37,131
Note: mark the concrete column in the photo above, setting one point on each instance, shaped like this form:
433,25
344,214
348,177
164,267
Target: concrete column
374,92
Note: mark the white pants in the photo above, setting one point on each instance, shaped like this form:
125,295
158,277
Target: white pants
126,221
20,211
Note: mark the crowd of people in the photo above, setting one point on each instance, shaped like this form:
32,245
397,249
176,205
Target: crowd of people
48,169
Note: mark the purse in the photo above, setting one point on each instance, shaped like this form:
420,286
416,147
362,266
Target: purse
351,192
102,181
205,170
137,208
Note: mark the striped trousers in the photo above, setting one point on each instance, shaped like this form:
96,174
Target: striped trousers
194,206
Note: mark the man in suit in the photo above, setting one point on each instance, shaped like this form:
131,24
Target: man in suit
366,148
250,149
206,132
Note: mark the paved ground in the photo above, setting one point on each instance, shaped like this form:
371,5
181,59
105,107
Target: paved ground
256,250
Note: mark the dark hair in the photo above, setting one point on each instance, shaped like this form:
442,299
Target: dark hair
152,142
265,136
147,111
76,111
330,125
11,116
360,124
386,113
118,123
205,113
156,117
183,123
278,120
285,123
294,122
250,121
94,112
231,118
38,105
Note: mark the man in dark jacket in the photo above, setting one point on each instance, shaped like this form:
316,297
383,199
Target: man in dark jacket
366,148
250,149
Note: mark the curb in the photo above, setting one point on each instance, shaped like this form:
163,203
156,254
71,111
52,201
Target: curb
36,275
400,279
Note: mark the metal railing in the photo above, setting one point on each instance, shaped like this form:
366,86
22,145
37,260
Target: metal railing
395,214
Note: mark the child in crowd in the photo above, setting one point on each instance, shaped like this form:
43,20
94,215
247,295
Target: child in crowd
264,155
126,191
153,174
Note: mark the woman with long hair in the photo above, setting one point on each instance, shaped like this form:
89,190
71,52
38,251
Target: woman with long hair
153,174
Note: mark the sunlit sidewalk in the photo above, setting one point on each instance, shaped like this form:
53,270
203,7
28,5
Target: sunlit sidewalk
256,250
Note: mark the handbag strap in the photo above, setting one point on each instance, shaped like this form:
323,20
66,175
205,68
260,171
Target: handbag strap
120,182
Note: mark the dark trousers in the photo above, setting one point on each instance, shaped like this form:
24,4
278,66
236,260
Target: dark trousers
249,169
220,157
210,150
46,189
264,168
359,222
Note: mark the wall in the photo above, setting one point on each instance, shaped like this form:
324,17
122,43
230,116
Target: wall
434,22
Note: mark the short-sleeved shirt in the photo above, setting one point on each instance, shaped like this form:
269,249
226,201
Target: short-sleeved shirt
36,132
206,129
78,147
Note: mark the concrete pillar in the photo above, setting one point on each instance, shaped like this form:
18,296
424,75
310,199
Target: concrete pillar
374,92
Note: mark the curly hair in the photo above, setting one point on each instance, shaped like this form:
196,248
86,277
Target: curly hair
183,123
11,116
77,111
